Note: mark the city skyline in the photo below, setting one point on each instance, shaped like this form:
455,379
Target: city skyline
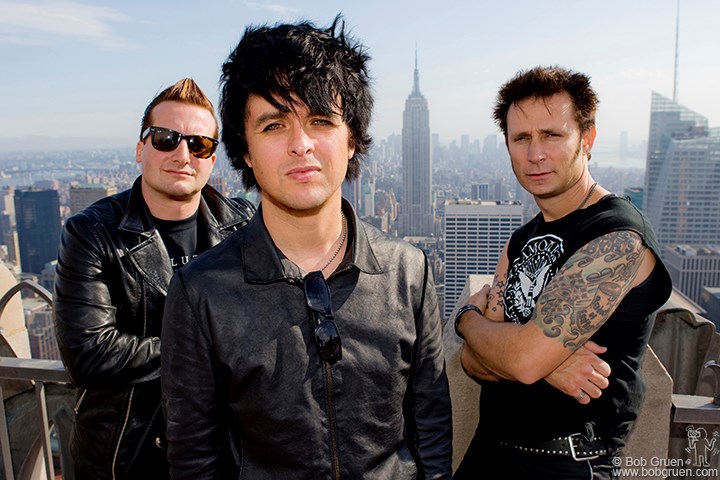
86,71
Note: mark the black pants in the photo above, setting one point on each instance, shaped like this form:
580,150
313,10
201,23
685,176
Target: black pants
484,459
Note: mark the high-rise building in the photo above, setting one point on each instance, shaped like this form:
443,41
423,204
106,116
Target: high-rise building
37,214
416,212
710,302
219,183
693,267
475,234
82,196
480,191
8,231
635,194
41,330
682,187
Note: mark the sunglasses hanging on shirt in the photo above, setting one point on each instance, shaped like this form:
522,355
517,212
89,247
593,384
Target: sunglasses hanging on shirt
327,338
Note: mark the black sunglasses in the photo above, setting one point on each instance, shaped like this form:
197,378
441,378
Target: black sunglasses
166,140
327,338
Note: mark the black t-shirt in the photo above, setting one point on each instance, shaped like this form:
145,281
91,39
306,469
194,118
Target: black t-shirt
514,411
181,239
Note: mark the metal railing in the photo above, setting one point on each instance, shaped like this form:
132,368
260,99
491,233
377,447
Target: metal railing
38,373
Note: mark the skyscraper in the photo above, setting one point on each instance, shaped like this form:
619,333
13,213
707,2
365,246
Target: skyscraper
693,267
8,231
416,212
82,196
682,185
38,225
475,234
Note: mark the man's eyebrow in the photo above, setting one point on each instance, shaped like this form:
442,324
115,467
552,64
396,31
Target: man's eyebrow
543,131
265,117
550,130
523,133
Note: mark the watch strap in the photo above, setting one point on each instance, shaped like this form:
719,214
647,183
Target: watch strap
463,309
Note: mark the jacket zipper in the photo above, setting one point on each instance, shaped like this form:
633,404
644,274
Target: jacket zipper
122,431
79,401
330,399
330,402
332,421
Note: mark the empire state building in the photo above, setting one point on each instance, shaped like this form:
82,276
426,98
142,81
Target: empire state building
416,213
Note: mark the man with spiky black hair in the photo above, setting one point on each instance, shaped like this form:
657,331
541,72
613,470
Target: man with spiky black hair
311,345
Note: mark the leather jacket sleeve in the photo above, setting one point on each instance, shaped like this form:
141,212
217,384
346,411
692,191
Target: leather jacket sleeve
95,352
428,401
191,412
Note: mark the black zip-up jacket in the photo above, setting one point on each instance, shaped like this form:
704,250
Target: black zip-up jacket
246,394
112,276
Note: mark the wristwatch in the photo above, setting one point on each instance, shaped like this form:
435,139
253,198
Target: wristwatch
463,309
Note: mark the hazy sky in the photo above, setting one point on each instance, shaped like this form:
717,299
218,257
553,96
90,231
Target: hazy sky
87,69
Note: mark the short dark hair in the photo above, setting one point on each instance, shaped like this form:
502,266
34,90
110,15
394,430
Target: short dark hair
324,68
184,91
544,82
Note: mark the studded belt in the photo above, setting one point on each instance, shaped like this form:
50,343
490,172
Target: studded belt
576,446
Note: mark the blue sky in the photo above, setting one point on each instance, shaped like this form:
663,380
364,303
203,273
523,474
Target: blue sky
86,69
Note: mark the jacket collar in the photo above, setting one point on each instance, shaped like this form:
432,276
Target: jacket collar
264,263
216,210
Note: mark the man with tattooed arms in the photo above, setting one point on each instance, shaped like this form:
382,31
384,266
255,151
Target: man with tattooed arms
558,339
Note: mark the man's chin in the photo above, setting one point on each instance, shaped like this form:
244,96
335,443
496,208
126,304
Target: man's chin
182,195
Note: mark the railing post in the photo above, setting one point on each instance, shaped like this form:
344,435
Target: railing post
15,368
5,440
44,430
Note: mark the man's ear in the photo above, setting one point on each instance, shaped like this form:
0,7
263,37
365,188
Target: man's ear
588,139
139,146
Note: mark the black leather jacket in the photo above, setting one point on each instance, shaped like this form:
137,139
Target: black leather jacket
240,363
112,276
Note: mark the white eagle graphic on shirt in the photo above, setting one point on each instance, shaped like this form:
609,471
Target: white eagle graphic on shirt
528,275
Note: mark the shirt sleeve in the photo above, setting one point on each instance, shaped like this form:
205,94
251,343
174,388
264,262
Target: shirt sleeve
430,395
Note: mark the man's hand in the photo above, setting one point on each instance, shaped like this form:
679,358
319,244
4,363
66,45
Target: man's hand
480,298
583,375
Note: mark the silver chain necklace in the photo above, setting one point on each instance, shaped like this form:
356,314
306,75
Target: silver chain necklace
342,242
587,197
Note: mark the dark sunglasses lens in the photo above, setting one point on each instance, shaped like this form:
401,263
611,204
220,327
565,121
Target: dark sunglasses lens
165,140
328,341
201,147
317,293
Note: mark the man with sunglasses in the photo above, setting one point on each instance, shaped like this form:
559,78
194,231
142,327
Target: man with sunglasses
115,262
309,344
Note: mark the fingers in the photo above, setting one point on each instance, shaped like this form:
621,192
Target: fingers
602,368
594,347
582,397
595,384
599,380
480,298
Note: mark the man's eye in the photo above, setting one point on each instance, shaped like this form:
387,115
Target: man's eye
271,126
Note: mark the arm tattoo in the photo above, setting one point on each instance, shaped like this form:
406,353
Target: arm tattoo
588,288
495,302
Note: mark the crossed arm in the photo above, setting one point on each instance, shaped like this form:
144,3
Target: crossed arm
554,344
